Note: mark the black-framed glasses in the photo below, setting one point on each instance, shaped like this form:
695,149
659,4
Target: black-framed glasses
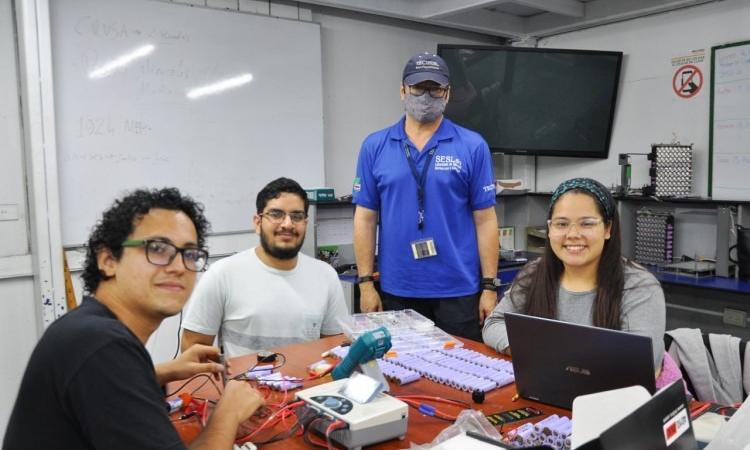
435,91
162,253
277,216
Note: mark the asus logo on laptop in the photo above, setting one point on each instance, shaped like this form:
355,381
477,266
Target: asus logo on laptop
578,370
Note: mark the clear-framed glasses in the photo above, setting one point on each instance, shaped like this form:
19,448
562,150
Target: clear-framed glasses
586,225
161,253
277,216
435,91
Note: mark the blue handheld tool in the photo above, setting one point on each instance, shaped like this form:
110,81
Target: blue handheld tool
368,347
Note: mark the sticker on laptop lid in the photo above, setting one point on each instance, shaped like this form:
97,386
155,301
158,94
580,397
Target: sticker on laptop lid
675,424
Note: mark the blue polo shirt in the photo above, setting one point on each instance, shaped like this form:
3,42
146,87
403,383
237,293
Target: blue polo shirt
459,181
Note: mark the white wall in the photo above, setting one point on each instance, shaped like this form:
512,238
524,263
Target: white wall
13,217
18,319
648,110
363,59
18,332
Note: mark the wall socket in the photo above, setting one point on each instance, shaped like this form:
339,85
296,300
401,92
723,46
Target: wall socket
735,317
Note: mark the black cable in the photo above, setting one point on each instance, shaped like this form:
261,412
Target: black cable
208,378
195,377
243,375
179,325
282,362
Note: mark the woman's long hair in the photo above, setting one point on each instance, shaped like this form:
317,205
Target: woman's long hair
539,283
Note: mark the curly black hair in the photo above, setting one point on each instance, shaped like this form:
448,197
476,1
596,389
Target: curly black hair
275,188
120,219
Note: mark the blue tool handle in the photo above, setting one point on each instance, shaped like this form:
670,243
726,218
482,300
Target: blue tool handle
371,345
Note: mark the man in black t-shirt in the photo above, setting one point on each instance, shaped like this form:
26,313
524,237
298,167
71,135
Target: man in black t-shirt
90,383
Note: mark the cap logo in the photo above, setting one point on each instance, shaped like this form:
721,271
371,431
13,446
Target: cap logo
433,65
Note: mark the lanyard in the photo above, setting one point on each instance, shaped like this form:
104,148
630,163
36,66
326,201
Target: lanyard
420,180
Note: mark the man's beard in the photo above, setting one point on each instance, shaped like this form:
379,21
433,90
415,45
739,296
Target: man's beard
280,253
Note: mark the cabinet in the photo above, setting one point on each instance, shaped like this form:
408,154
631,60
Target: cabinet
536,239
703,229
330,238
330,231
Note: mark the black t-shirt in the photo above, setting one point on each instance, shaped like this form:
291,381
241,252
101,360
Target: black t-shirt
90,384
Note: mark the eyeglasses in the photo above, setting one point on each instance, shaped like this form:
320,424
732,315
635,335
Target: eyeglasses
435,91
161,253
587,225
277,216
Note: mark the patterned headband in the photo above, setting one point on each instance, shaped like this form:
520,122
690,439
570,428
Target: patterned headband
593,187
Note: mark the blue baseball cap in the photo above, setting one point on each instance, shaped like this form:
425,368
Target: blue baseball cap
426,67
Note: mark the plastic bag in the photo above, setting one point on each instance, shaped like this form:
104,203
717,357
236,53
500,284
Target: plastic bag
467,420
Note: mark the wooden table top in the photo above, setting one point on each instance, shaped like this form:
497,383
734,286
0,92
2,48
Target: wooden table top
421,429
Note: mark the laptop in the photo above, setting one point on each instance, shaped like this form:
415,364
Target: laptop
554,361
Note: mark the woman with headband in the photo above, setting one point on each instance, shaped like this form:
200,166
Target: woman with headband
582,277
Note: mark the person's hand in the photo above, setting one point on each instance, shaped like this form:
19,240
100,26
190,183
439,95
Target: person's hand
369,299
487,302
197,359
239,401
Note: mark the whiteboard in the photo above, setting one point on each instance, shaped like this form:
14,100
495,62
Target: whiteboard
135,126
730,122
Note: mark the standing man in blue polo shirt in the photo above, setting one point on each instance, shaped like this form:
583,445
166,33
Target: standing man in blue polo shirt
430,183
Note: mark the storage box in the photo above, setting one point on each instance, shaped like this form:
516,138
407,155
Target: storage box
320,194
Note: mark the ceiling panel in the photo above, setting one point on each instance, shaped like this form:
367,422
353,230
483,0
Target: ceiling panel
513,19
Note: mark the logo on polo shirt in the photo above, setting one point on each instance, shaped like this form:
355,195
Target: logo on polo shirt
356,186
448,162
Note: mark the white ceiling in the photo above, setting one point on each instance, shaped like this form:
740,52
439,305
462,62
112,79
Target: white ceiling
513,19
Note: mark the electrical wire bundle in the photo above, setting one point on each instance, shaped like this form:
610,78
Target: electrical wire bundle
286,418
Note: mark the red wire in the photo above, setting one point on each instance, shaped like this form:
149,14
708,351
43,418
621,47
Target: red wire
435,399
311,437
695,412
267,423
330,429
438,413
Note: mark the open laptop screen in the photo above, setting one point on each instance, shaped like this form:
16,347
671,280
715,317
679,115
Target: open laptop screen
555,361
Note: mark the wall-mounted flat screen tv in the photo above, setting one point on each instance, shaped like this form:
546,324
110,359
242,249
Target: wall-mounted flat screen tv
535,101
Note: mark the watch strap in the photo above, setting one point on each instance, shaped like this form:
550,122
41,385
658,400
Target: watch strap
489,284
365,279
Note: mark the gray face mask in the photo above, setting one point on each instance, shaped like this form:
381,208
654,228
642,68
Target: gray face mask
425,108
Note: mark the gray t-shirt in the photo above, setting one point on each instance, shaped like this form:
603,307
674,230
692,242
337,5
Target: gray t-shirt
643,310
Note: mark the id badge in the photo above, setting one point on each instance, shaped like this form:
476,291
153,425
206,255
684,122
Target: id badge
423,248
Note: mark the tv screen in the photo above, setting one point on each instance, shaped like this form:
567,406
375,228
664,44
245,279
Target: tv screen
535,101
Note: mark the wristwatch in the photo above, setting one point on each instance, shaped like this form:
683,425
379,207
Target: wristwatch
489,284
365,279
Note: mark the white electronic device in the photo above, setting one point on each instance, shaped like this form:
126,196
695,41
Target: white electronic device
380,419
